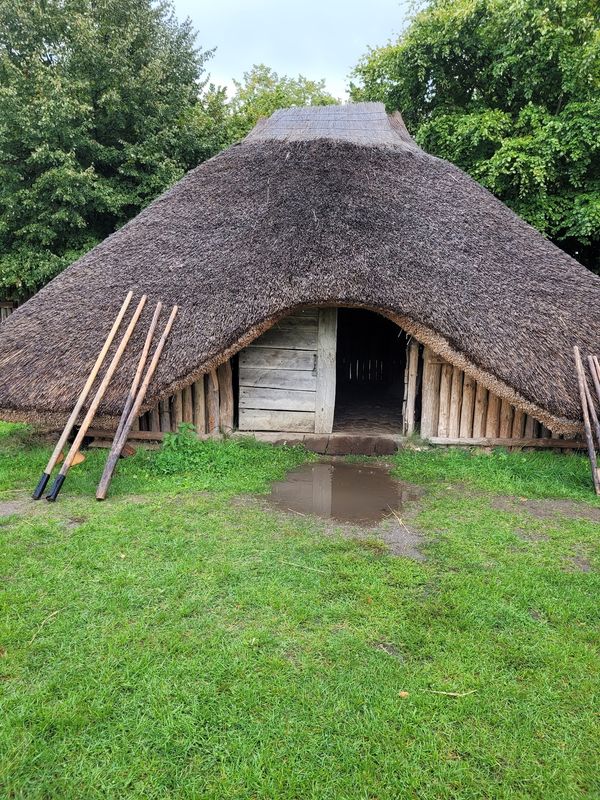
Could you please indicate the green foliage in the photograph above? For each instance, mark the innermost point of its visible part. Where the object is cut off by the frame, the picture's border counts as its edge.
(94, 98)
(509, 90)
(231, 464)
(263, 91)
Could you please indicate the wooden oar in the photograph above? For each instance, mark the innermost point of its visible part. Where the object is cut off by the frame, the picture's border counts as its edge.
(138, 373)
(583, 393)
(39, 489)
(66, 465)
(119, 444)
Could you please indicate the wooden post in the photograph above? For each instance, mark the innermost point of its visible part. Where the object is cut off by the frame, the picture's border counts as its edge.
(506, 420)
(412, 366)
(199, 406)
(480, 412)
(212, 403)
(326, 372)
(518, 425)
(154, 419)
(225, 379)
(468, 407)
(445, 396)
(176, 411)
(430, 394)
(530, 427)
(188, 406)
(492, 423)
(165, 416)
(455, 402)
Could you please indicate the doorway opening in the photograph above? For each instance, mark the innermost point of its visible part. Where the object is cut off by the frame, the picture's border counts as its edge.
(370, 363)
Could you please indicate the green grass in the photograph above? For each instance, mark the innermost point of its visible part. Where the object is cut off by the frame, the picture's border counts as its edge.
(176, 643)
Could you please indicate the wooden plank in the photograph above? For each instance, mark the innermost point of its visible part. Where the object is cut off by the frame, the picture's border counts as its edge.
(296, 322)
(138, 436)
(498, 442)
(278, 358)
(288, 338)
(261, 420)
(277, 399)
(412, 367)
(165, 416)
(480, 412)
(212, 403)
(518, 424)
(188, 405)
(445, 395)
(506, 420)
(326, 372)
(279, 378)
(467, 411)
(135, 425)
(430, 394)
(199, 406)
(492, 422)
(225, 378)
(154, 419)
(455, 402)
(530, 428)
(176, 411)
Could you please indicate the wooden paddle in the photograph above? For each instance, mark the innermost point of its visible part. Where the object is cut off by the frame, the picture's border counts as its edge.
(119, 444)
(39, 489)
(66, 465)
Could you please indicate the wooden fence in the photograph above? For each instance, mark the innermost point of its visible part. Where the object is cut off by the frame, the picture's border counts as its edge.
(6, 310)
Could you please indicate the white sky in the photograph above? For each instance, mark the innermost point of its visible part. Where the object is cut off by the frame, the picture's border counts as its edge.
(318, 39)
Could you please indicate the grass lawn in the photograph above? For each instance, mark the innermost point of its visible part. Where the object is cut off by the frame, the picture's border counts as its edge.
(181, 640)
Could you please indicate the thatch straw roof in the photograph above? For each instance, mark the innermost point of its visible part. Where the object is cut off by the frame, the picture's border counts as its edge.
(333, 205)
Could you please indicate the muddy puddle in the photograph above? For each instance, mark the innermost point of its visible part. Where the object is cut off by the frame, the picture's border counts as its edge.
(351, 493)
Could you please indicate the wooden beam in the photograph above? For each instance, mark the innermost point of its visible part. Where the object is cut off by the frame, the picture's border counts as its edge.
(430, 394)
(188, 405)
(492, 422)
(176, 411)
(445, 397)
(154, 419)
(506, 420)
(165, 416)
(199, 406)
(412, 366)
(225, 379)
(467, 410)
(496, 441)
(480, 411)
(455, 402)
(326, 372)
(212, 403)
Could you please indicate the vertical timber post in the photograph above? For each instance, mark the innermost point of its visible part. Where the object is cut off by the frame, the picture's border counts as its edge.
(326, 352)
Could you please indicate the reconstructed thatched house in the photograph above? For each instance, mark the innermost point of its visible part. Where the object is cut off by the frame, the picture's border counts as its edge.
(330, 274)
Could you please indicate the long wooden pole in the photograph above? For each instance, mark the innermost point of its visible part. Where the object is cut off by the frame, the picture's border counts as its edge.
(39, 489)
(583, 391)
(87, 420)
(138, 373)
(595, 372)
(119, 444)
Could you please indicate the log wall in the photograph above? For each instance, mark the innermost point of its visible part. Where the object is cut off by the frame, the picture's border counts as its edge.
(454, 407)
(207, 404)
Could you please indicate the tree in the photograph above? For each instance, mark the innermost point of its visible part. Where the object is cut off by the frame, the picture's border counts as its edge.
(263, 91)
(509, 90)
(95, 98)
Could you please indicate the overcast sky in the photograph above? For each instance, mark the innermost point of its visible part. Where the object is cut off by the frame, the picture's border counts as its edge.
(317, 38)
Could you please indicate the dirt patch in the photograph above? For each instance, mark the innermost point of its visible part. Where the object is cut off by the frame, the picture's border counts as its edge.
(547, 509)
(390, 649)
(578, 563)
(10, 507)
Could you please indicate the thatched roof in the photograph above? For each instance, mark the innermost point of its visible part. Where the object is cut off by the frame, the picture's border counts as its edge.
(333, 205)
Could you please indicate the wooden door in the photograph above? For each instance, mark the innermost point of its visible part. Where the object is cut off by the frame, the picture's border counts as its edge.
(287, 375)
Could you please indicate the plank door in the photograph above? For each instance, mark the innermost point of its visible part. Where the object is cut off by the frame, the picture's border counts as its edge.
(287, 375)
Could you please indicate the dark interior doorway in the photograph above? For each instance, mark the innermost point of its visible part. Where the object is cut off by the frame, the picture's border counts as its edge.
(370, 362)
